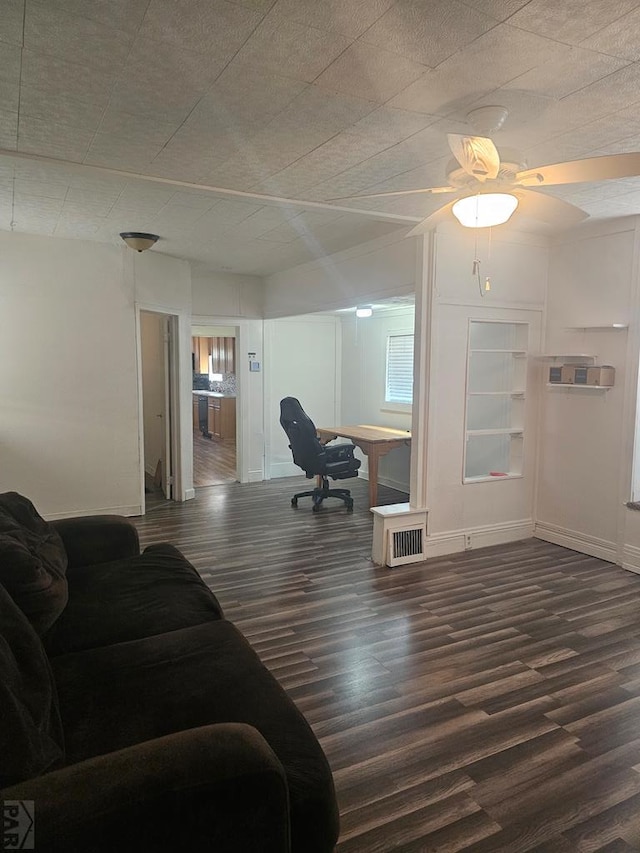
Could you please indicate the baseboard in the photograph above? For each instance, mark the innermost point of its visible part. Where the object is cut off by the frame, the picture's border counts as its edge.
(189, 494)
(108, 510)
(394, 484)
(631, 559)
(257, 476)
(577, 541)
(453, 541)
(284, 469)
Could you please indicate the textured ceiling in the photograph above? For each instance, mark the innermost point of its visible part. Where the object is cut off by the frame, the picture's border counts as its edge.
(298, 99)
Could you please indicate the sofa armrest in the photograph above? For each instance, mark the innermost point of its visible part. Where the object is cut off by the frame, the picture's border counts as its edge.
(97, 539)
(214, 788)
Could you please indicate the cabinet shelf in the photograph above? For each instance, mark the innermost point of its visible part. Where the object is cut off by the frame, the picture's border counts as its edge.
(518, 353)
(490, 478)
(504, 431)
(496, 393)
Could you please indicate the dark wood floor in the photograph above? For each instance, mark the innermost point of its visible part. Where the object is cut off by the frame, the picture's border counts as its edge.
(214, 462)
(488, 701)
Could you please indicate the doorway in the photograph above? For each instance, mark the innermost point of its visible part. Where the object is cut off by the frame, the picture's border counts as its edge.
(214, 360)
(158, 394)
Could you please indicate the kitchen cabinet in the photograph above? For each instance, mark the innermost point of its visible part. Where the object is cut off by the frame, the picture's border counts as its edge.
(196, 417)
(222, 417)
(222, 351)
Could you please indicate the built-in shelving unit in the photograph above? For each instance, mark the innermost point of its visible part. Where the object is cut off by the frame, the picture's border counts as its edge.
(495, 399)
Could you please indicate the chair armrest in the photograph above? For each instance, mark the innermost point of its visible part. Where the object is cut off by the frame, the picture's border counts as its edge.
(97, 539)
(214, 788)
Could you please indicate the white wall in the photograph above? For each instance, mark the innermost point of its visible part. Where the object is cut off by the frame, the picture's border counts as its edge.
(69, 424)
(585, 456)
(379, 268)
(364, 349)
(217, 294)
(69, 420)
(499, 510)
(302, 357)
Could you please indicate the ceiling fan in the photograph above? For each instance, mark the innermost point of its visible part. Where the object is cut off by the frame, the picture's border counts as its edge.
(490, 186)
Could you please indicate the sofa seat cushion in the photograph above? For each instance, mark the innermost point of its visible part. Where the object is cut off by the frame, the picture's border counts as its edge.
(33, 561)
(150, 593)
(114, 697)
(30, 733)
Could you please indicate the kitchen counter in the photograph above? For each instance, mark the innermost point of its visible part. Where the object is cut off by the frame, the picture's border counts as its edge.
(214, 394)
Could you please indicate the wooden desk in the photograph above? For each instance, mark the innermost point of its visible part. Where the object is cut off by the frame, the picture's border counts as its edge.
(374, 441)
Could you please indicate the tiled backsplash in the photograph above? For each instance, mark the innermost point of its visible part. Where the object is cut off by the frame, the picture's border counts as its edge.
(227, 386)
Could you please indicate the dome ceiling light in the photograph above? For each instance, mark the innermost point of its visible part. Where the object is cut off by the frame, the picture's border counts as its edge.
(138, 240)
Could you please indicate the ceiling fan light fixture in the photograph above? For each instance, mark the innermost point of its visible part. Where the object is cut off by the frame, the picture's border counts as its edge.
(138, 240)
(484, 209)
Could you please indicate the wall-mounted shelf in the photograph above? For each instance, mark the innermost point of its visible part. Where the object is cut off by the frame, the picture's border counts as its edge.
(571, 358)
(612, 327)
(578, 385)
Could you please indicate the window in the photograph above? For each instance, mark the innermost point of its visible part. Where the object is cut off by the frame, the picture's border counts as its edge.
(399, 384)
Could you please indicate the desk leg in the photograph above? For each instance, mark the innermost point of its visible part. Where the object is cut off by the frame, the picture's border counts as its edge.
(373, 474)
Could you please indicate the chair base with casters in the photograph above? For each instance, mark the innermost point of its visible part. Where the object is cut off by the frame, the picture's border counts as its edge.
(320, 493)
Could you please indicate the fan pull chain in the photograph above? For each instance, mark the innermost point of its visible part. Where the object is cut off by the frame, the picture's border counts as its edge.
(487, 281)
(475, 269)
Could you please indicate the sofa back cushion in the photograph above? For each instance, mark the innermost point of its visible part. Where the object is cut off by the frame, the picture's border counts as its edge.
(30, 732)
(33, 561)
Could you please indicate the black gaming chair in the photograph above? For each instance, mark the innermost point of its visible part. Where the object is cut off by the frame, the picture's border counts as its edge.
(337, 462)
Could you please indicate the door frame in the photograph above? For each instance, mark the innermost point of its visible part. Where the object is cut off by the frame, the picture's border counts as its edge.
(172, 401)
(230, 322)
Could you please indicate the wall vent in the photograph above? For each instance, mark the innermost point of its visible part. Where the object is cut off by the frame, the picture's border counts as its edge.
(406, 546)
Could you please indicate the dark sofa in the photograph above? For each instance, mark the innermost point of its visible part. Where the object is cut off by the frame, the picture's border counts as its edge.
(132, 714)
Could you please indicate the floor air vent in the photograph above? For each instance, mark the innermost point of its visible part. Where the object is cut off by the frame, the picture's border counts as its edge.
(406, 546)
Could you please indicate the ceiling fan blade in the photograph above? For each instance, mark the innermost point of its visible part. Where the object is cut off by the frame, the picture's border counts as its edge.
(432, 220)
(577, 171)
(477, 155)
(398, 192)
(548, 208)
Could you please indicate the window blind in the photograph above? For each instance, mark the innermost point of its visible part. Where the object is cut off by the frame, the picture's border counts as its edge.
(399, 386)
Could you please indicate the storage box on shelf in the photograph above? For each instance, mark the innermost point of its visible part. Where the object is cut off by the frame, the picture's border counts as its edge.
(578, 371)
(495, 400)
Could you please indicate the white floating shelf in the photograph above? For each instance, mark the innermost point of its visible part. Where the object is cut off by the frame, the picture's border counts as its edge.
(612, 327)
(574, 358)
(578, 385)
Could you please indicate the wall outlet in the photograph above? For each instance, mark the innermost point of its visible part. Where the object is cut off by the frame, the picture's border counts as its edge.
(467, 542)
